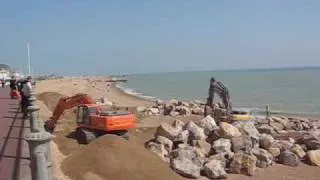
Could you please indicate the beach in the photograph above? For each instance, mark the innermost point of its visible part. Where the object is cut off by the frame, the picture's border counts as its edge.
(49, 91)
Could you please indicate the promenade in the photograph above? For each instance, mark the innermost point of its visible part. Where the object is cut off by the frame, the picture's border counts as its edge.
(14, 153)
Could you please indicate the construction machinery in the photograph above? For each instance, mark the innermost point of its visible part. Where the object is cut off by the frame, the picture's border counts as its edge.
(92, 121)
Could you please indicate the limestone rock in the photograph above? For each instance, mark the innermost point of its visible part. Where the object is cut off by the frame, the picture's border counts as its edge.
(182, 137)
(313, 157)
(264, 158)
(185, 167)
(141, 109)
(165, 141)
(158, 149)
(204, 146)
(265, 129)
(228, 131)
(186, 152)
(197, 110)
(214, 169)
(288, 158)
(297, 149)
(222, 146)
(243, 164)
(196, 132)
(274, 151)
(208, 124)
(242, 143)
(166, 130)
(266, 141)
(178, 124)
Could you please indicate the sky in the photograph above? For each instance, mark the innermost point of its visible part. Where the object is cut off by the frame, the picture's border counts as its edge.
(77, 37)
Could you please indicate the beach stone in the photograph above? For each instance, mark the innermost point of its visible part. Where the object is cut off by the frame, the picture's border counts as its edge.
(228, 131)
(185, 167)
(153, 110)
(277, 126)
(166, 130)
(186, 151)
(248, 128)
(265, 129)
(264, 158)
(174, 102)
(282, 120)
(203, 146)
(158, 149)
(196, 132)
(241, 143)
(182, 137)
(266, 141)
(178, 124)
(167, 109)
(165, 141)
(222, 157)
(288, 158)
(298, 150)
(185, 111)
(159, 102)
(311, 141)
(283, 145)
(313, 157)
(214, 169)
(274, 151)
(243, 164)
(208, 124)
(174, 113)
(197, 110)
(222, 146)
(141, 109)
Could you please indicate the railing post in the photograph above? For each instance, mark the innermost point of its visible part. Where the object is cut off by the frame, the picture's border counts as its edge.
(39, 143)
(38, 153)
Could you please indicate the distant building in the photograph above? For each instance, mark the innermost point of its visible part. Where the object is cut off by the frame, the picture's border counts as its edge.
(4, 74)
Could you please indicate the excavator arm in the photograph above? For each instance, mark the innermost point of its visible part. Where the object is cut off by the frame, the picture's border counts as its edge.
(66, 103)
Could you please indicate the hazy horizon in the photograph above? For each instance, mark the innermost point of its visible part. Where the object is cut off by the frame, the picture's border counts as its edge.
(130, 37)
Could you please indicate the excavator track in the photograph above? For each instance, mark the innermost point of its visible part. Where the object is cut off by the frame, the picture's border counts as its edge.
(85, 136)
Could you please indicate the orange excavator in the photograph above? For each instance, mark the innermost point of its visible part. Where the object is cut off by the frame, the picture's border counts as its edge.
(92, 121)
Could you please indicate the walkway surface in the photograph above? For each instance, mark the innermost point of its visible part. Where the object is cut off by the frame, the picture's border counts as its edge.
(14, 153)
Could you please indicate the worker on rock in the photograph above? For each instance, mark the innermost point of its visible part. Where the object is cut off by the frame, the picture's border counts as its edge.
(223, 93)
(25, 94)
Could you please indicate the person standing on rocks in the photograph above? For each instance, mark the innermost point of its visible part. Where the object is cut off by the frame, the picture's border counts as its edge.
(222, 91)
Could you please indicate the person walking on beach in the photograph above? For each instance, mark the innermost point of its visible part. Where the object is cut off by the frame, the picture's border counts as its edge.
(13, 83)
(25, 94)
(222, 91)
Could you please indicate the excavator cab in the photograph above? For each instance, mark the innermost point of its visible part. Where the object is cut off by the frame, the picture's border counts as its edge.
(83, 114)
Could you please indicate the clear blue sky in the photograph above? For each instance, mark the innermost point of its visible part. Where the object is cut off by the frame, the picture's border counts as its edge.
(138, 36)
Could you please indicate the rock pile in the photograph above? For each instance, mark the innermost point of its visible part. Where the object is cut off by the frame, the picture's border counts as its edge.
(205, 148)
(173, 108)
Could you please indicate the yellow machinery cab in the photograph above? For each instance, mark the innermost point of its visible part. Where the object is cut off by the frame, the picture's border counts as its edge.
(241, 115)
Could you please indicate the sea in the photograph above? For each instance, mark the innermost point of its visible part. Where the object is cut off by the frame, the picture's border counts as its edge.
(293, 91)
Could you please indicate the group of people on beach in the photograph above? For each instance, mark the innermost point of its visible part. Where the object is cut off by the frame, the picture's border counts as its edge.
(24, 87)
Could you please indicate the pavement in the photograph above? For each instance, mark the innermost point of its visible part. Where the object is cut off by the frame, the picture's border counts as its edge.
(14, 152)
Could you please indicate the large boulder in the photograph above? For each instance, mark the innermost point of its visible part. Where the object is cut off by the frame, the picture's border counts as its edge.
(186, 152)
(289, 158)
(228, 131)
(178, 124)
(158, 149)
(313, 157)
(243, 164)
(185, 167)
(265, 129)
(311, 141)
(264, 158)
(248, 128)
(208, 124)
(242, 143)
(214, 169)
(203, 146)
(266, 141)
(298, 150)
(165, 141)
(196, 132)
(222, 146)
(183, 137)
(166, 130)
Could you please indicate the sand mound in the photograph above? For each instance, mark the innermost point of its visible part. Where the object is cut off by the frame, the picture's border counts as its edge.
(112, 157)
(50, 99)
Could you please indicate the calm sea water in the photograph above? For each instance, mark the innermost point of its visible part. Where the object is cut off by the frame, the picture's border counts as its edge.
(290, 91)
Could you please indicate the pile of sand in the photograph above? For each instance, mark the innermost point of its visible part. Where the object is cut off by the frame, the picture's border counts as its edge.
(113, 157)
(50, 99)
